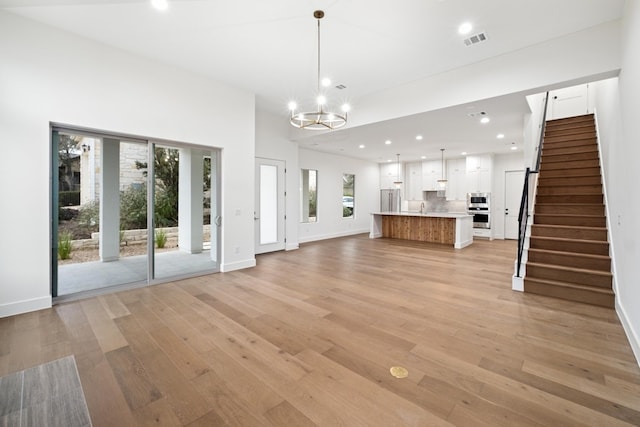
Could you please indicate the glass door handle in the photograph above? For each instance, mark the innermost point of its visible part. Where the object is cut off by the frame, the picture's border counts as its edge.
(218, 221)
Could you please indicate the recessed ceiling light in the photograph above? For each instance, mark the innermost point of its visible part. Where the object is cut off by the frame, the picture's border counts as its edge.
(514, 148)
(419, 137)
(465, 28)
(423, 157)
(500, 135)
(387, 142)
(388, 160)
(361, 145)
(160, 4)
(485, 120)
(464, 153)
(326, 82)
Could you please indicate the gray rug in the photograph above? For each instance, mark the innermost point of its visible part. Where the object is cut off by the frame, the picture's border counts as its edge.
(46, 395)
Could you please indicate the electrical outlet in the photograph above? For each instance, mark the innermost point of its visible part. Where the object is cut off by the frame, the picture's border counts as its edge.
(619, 219)
(238, 213)
(237, 249)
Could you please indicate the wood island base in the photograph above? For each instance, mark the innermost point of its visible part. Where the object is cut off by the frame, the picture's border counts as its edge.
(450, 229)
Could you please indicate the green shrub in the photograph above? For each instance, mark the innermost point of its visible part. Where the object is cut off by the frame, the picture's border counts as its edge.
(69, 198)
(64, 245)
(89, 215)
(66, 214)
(166, 209)
(161, 238)
(133, 208)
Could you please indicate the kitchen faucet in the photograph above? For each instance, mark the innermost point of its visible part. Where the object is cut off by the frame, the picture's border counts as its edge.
(422, 210)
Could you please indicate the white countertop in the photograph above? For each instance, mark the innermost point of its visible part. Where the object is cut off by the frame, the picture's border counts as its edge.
(428, 214)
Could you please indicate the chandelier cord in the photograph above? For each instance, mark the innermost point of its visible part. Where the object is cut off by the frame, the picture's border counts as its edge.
(318, 87)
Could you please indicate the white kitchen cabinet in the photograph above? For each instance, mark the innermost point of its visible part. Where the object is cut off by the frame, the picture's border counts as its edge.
(431, 173)
(479, 173)
(389, 174)
(456, 179)
(483, 233)
(413, 181)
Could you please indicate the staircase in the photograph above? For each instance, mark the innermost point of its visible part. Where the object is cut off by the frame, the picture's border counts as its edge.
(568, 254)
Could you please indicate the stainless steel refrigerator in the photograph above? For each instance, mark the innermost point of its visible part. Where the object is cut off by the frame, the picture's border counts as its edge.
(390, 200)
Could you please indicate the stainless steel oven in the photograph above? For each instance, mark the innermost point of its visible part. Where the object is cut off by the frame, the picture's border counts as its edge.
(479, 205)
(481, 217)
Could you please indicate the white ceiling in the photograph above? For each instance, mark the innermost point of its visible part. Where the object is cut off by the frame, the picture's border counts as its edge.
(269, 48)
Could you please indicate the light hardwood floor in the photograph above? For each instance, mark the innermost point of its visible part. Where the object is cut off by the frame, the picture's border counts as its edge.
(308, 337)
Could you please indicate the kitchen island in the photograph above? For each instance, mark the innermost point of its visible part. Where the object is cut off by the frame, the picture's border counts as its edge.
(438, 227)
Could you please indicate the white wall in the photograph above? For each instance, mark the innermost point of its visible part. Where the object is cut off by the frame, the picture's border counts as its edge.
(47, 75)
(532, 126)
(606, 96)
(501, 164)
(622, 159)
(367, 195)
(568, 59)
(272, 143)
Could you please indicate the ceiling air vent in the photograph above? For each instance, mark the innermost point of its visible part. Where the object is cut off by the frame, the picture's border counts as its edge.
(475, 39)
(477, 114)
(341, 87)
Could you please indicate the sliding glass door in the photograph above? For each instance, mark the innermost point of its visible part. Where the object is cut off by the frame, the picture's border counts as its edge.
(183, 211)
(108, 191)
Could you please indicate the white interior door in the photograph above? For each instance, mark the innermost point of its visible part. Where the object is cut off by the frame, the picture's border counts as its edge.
(514, 181)
(269, 215)
(569, 102)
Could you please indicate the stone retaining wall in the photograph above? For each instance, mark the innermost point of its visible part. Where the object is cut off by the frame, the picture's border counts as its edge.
(130, 237)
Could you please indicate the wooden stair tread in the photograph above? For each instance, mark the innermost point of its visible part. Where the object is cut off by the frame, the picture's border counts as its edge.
(572, 119)
(576, 254)
(571, 269)
(567, 177)
(575, 172)
(596, 289)
(566, 239)
(569, 215)
(581, 130)
(559, 158)
(552, 153)
(571, 227)
(569, 204)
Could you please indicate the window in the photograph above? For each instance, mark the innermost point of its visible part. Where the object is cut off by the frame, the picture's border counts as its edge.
(348, 195)
(309, 195)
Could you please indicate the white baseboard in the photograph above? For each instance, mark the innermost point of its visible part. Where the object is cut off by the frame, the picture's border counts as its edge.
(291, 247)
(25, 306)
(632, 334)
(463, 244)
(332, 235)
(239, 265)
